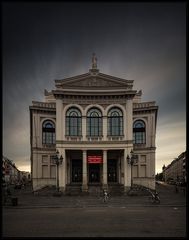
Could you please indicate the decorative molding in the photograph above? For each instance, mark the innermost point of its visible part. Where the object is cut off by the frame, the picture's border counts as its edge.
(94, 79)
(49, 149)
(94, 142)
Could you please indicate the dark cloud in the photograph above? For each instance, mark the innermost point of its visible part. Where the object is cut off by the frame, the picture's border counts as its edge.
(46, 41)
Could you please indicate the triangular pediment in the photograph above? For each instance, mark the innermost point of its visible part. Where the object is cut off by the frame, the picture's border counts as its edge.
(94, 81)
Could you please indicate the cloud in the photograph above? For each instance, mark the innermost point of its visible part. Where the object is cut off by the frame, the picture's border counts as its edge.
(145, 42)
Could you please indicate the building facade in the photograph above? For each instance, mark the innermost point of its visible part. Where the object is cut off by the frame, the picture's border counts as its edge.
(94, 120)
(176, 170)
(11, 174)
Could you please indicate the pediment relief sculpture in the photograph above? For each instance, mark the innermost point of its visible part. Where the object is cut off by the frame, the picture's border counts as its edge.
(94, 82)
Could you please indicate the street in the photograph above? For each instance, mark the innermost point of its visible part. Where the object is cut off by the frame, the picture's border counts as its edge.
(122, 216)
(155, 221)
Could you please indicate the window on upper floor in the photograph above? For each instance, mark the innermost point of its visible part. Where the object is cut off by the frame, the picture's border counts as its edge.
(115, 122)
(48, 132)
(94, 122)
(73, 122)
(139, 132)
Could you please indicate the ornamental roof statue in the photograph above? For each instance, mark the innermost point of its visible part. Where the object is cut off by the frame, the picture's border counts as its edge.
(94, 61)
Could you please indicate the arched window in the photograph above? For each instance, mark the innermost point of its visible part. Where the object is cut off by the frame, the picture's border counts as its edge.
(115, 122)
(94, 122)
(48, 132)
(73, 122)
(139, 132)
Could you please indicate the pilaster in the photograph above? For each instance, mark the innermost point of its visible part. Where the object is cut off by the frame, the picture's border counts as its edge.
(129, 120)
(59, 122)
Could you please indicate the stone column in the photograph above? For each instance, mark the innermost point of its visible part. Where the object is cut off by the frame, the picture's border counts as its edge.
(84, 126)
(84, 183)
(105, 182)
(105, 127)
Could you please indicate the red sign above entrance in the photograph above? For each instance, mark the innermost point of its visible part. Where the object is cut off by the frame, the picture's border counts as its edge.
(94, 159)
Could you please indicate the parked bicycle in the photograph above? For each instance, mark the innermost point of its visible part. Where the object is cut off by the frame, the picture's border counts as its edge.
(154, 197)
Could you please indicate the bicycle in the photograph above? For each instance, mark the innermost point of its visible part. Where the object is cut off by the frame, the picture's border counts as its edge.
(154, 197)
(106, 195)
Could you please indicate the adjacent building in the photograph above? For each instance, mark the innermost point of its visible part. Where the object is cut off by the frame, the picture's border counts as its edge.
(11, 174)
(94, 120)
(176, 170)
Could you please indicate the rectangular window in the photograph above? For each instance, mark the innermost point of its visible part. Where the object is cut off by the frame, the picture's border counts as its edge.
(45, 159)
(52, 161)
(53, 171)
(45, 171)
(142, 170)
(143, 158)
(135, 171)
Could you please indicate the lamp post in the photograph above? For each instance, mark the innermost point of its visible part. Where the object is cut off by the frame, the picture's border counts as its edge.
(131, 160)
(57, 160)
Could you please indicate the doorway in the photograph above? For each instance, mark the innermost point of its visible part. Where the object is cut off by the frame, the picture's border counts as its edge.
(94, 173)
(112, 170)
(76, 171)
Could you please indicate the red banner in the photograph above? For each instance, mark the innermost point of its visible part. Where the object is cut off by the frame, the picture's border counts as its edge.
(94, 159)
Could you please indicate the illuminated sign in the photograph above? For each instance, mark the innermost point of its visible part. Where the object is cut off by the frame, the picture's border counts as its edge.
(94, 159)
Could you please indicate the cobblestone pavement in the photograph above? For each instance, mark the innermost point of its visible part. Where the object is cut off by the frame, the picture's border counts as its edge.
(167, 194)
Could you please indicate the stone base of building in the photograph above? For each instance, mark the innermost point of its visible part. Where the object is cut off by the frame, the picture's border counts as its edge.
(105, 186)
(62, 190)
(146, 182)
(126, 189)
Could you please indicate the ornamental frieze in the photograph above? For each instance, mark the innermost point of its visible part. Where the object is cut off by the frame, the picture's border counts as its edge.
(95, 82)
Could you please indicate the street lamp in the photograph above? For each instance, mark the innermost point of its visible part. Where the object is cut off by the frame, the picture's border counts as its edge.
(131, 160)
(57, 160)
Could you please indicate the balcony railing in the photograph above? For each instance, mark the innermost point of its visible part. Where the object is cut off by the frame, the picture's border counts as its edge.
(44, 104)
(143, 105)
(74, 138)
(94, 138)
(115, 138)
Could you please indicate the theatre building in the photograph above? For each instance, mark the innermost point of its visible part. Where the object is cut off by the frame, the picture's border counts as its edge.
(96, 122)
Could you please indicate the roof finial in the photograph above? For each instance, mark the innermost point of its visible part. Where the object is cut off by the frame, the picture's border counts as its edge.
(94, 62)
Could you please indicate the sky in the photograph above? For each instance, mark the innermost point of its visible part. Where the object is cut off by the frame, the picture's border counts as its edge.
(145, 42)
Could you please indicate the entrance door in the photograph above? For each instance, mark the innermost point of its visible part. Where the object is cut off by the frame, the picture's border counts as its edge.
(112, 171)
(94, 173)
(76, 170)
